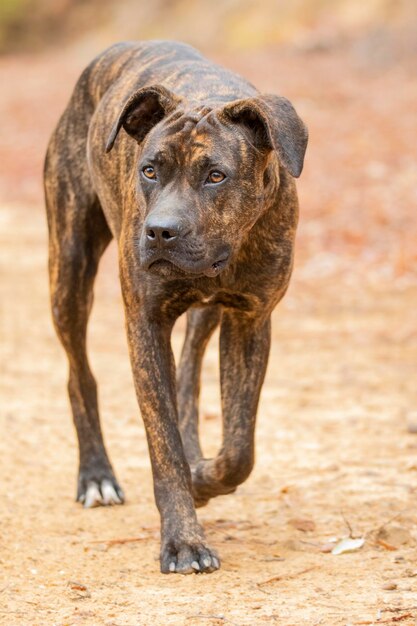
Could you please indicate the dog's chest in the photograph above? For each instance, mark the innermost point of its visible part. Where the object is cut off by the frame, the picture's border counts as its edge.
(227, 298)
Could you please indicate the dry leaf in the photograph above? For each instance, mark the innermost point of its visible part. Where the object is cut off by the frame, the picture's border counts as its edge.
(384, 544)
(348, 545)
(80, 591)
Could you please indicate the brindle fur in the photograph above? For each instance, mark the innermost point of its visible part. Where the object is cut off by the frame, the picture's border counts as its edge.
(229, 262)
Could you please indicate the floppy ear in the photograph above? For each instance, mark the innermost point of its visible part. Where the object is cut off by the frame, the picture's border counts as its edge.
(275, 125)
(142, 111)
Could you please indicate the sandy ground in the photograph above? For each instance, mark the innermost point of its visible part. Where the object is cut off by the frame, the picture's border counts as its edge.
(335, 455)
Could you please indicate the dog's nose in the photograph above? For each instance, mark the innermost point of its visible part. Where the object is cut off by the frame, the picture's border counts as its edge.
(162, 232)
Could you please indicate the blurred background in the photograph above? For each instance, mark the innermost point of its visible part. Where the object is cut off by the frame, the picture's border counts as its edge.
(232, 24)
(349, 66)
(338, 416)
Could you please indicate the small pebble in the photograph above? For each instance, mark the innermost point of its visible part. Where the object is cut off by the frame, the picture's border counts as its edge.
(411, 418)
(389, 586)
(327, 547)
(410, 573)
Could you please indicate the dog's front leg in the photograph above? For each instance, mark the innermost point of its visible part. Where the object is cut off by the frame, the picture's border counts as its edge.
(183, 545)
(244, 350)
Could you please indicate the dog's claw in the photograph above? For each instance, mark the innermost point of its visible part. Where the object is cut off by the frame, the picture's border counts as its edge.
(92, 497)
(103, 494)
(109, 494)
(188, 559)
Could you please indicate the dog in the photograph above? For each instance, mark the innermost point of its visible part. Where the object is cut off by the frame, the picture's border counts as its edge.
(192, 171)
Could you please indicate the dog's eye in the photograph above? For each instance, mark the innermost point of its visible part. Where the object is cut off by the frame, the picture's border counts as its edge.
(214, 178)
(149, 172)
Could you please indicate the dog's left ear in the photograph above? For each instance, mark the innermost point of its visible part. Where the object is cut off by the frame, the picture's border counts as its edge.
(274, 124)
(142, 111)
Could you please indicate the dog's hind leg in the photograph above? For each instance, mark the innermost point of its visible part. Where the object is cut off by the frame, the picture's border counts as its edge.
(78, 236)
(201, 322)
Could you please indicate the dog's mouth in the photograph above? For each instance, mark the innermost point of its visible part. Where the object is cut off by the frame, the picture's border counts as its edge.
(173, 267)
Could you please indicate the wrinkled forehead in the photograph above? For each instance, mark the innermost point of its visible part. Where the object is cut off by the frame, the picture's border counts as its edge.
(196, 136)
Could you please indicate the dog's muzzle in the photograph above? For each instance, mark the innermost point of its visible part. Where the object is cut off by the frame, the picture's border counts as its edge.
(170, 249)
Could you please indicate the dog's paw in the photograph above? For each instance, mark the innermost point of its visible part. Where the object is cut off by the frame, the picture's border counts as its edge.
(199, 501)
(204, 485)
(186, 558)
(98, 489)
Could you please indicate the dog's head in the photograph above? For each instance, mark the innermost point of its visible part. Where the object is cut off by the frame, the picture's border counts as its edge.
(206, 175)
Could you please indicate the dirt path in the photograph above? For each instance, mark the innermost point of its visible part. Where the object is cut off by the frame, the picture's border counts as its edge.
(332, 442)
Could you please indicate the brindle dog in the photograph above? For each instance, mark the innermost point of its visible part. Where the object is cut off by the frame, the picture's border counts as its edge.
(198, 191)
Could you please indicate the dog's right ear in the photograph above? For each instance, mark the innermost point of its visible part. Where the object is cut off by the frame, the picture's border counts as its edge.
(142, 111)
